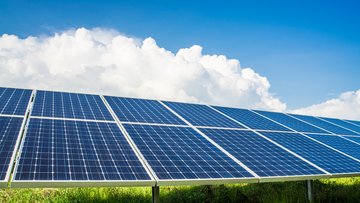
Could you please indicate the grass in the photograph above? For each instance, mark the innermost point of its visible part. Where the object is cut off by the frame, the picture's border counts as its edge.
(330, 190)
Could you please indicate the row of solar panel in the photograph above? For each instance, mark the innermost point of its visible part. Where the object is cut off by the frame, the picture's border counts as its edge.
(71, 138)
(82, 106)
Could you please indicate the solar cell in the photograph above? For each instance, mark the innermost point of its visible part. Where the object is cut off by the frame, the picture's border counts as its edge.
(65, 150)
(70, 105)
(251, 119)
(14, 101)
(344, 124)
(261, 156)
(291, 122)
(141, 110)
(178, 153)
(201, 115)
(324, 125)
(339, 143)
(324, 157)
(9, 132)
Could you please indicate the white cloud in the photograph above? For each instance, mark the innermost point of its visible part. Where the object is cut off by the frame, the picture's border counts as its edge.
(347, 106)
(107, 62)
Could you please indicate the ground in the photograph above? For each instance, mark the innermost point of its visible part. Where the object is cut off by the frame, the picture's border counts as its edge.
(330, 190)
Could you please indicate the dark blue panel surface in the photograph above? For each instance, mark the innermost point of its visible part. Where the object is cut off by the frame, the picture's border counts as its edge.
(9, 132)
(354, 128)
(324, 125)
(70, 105)
(339, 143)
(251, 119)
(291, 122)
(322, 156)
(260, 155)
(201, 115)
(141, 110)
(182, 153)
(14, 101)
(77, 150)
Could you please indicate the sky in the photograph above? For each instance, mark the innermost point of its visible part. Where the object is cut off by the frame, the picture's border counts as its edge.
(300, 56)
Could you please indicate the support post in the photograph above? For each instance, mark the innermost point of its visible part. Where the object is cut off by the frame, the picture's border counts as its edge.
(309, 190)
(155, 194)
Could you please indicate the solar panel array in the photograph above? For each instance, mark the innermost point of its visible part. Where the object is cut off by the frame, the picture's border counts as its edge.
(353, 128)
(142, 111)
(77, 150)
(291, 122)
(251, 119)
(181, 153)
(202, 115)
(174, 153)
(13, 109)
(14, 101)
(265, 158)
(329, 127)
(72, 139)
(70, 105)
(319, 154)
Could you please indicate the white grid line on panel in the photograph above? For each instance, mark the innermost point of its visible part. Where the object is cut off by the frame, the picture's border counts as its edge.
(73, 119)
(157, 124)
(9, 115)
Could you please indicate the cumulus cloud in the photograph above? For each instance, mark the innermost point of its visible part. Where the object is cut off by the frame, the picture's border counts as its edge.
(106, 62)
(346, 106)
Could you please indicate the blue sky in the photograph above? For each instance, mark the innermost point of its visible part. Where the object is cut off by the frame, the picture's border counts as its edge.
(309, 50)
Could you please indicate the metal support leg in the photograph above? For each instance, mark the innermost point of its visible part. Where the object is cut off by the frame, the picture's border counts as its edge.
(155, 194)
(309, 190)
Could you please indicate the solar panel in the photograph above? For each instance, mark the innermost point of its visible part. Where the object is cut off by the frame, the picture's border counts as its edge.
(290, 122)
(178, 153)
(9, 132)
(201, 115)
(251, 119)
(261, 156)
(73, 140)
(14, 101)
(344, 124)
(70, 105)
(324, 125)
(141, 110)
(357, 123)
(339, 143)
(66, 150)
(324, 157)
(355, 139)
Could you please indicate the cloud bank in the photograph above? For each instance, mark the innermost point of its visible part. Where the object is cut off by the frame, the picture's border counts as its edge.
(103, 61)
(346, 106)
(106, 62)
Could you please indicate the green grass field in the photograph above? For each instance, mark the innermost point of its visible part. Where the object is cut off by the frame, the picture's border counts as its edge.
(331, 190)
